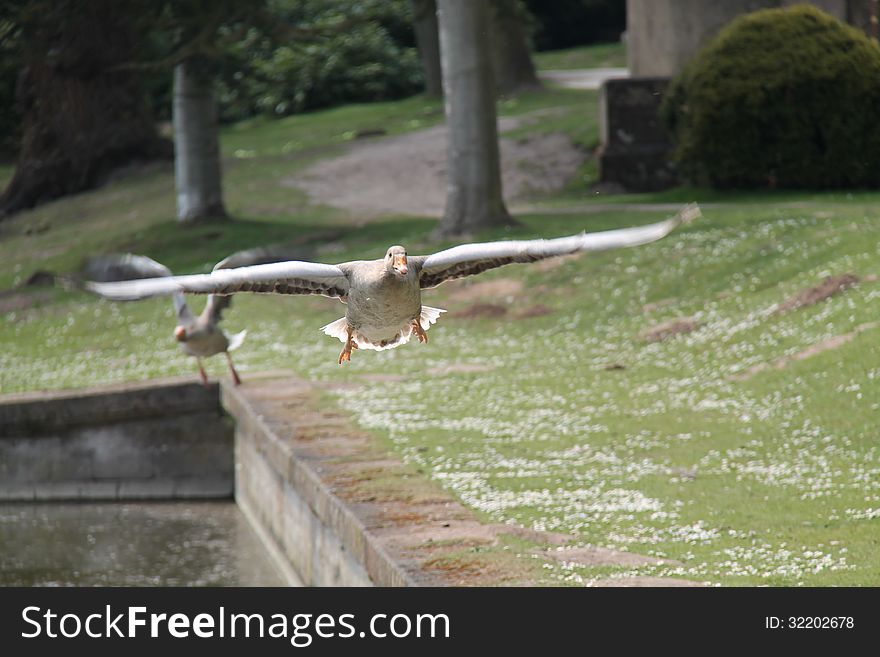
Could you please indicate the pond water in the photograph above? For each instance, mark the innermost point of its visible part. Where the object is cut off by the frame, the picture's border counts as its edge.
(131, 544)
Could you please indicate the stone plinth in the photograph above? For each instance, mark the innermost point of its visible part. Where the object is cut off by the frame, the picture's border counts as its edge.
(635, 149)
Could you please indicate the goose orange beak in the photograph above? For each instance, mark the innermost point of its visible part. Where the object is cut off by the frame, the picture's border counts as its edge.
(400, 264)
(180, 334)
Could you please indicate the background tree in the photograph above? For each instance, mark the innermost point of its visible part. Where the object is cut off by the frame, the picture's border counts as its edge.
(197, 176)
(277, 57)
(196, 29)
(10, 65)
(511, 52)
(428, 39)
(257, 48)
(474, 199)
(82, 116)
(567, 23)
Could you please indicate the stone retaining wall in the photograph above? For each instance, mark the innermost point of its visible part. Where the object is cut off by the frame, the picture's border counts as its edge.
(161, 440)
(315, 533)
(173, 440)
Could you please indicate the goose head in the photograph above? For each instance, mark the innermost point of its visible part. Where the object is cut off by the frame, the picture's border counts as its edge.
(395, 261)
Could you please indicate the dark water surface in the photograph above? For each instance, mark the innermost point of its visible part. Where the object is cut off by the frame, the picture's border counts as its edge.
(137, 544)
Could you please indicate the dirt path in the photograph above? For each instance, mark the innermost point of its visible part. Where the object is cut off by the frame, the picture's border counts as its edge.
(406, 174)
(582, 78)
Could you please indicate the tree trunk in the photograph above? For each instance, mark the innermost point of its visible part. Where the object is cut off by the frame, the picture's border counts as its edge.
(196, 144)
(428, 41)
(473, 199)
(80, 118)
(511, 56)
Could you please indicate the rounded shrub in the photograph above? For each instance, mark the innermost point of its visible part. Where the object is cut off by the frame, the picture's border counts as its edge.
(779, 98)
(350, 51)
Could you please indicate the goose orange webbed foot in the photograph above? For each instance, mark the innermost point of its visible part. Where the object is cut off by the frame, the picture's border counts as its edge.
(346, 350)
(346, 353)
(419, 331)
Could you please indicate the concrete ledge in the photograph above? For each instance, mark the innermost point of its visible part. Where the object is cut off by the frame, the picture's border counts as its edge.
(322, 540)
(35, 412)
(332, 505)
(338, 508)
(161, 440)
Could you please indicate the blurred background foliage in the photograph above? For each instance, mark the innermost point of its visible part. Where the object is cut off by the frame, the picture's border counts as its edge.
(286, 56)
(339, 51)
(565, 23)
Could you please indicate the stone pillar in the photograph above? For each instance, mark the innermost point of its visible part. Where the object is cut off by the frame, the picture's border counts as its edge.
(662, 35)
(858, 14)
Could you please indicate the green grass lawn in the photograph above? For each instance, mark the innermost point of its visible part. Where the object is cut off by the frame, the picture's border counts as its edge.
(567, 420)
(602, 55)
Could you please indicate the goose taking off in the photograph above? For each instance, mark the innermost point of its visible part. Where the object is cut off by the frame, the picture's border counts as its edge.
(199, 336)
(383, 297)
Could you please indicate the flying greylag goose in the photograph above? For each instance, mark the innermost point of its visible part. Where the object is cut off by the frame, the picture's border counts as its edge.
(383, 297)
(199, 336)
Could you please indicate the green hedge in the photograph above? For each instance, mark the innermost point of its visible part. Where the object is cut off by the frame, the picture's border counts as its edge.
(780, 98)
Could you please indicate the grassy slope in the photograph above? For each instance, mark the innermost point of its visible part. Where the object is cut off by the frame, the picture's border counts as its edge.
(603, 55)
(771, 480)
